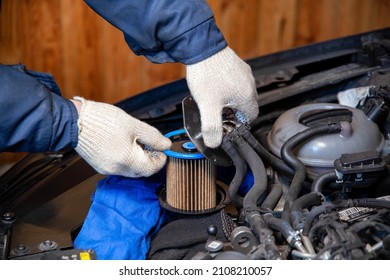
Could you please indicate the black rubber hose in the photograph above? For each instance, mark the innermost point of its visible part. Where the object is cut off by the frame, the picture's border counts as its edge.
(258, 169)
(287, 154)
(306, 201)
(322, 180)
(259, 187)
(280, 225)
(368, 223)
(239, 176)
(291, 236)
(261, 135)
(273, 197)
(265, 235)
(371, 203)
(274, 161)
(266, 118)
(364, 202)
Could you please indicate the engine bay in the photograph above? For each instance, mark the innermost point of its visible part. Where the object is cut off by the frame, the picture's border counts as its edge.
(308, 179)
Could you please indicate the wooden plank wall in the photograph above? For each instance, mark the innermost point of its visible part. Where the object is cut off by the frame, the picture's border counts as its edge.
(89, 57)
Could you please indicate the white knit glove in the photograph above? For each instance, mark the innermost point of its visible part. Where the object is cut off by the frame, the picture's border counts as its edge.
(111, 141)
(222, 80)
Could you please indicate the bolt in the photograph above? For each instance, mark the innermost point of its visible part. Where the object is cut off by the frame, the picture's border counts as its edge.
(21, 249)
(8, 217)
(212, 230)
(47, 245)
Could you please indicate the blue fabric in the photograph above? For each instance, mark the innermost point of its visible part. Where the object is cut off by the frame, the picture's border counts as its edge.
(164, 30)
(247, 184)
(124, 215)
(34, 117)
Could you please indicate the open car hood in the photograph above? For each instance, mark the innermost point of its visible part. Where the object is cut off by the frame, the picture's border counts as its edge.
(45, 198)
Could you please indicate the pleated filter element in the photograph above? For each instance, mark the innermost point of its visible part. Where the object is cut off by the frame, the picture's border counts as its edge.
(191, 178)
(191, 184)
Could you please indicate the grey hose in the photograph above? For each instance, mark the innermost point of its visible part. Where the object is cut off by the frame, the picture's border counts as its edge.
(322, 180)
(279, 225)
(273, 197)
(259, 187)
(274, 161)
(268, 118)
(259, 173)
(286, 230)
(305, 201)
(287, 153)
(241, 170)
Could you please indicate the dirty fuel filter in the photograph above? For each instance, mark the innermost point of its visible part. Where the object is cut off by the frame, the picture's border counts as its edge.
(191, 178)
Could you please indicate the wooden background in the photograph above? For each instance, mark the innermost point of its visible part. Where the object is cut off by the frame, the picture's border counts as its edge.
(89, 57)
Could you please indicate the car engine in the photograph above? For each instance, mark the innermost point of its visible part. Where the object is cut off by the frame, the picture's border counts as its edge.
(308, 179)
(316, 190)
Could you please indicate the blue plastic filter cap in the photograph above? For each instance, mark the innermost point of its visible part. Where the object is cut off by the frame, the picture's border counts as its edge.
(184, 150)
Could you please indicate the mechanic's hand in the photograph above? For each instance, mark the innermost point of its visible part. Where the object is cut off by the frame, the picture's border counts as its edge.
(222, 80)
(111, 141)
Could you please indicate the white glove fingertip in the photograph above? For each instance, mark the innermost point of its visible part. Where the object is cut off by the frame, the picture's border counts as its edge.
(160, 143)
(164, 144)
(151, 137)
(211, 119)
(212, 131)
(212, 139)
(150, 162)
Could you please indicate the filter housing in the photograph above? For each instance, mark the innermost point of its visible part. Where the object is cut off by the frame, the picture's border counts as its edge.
(191, 178)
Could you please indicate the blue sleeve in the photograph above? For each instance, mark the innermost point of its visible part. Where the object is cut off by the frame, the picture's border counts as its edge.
(34, 117)
(164, 30)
